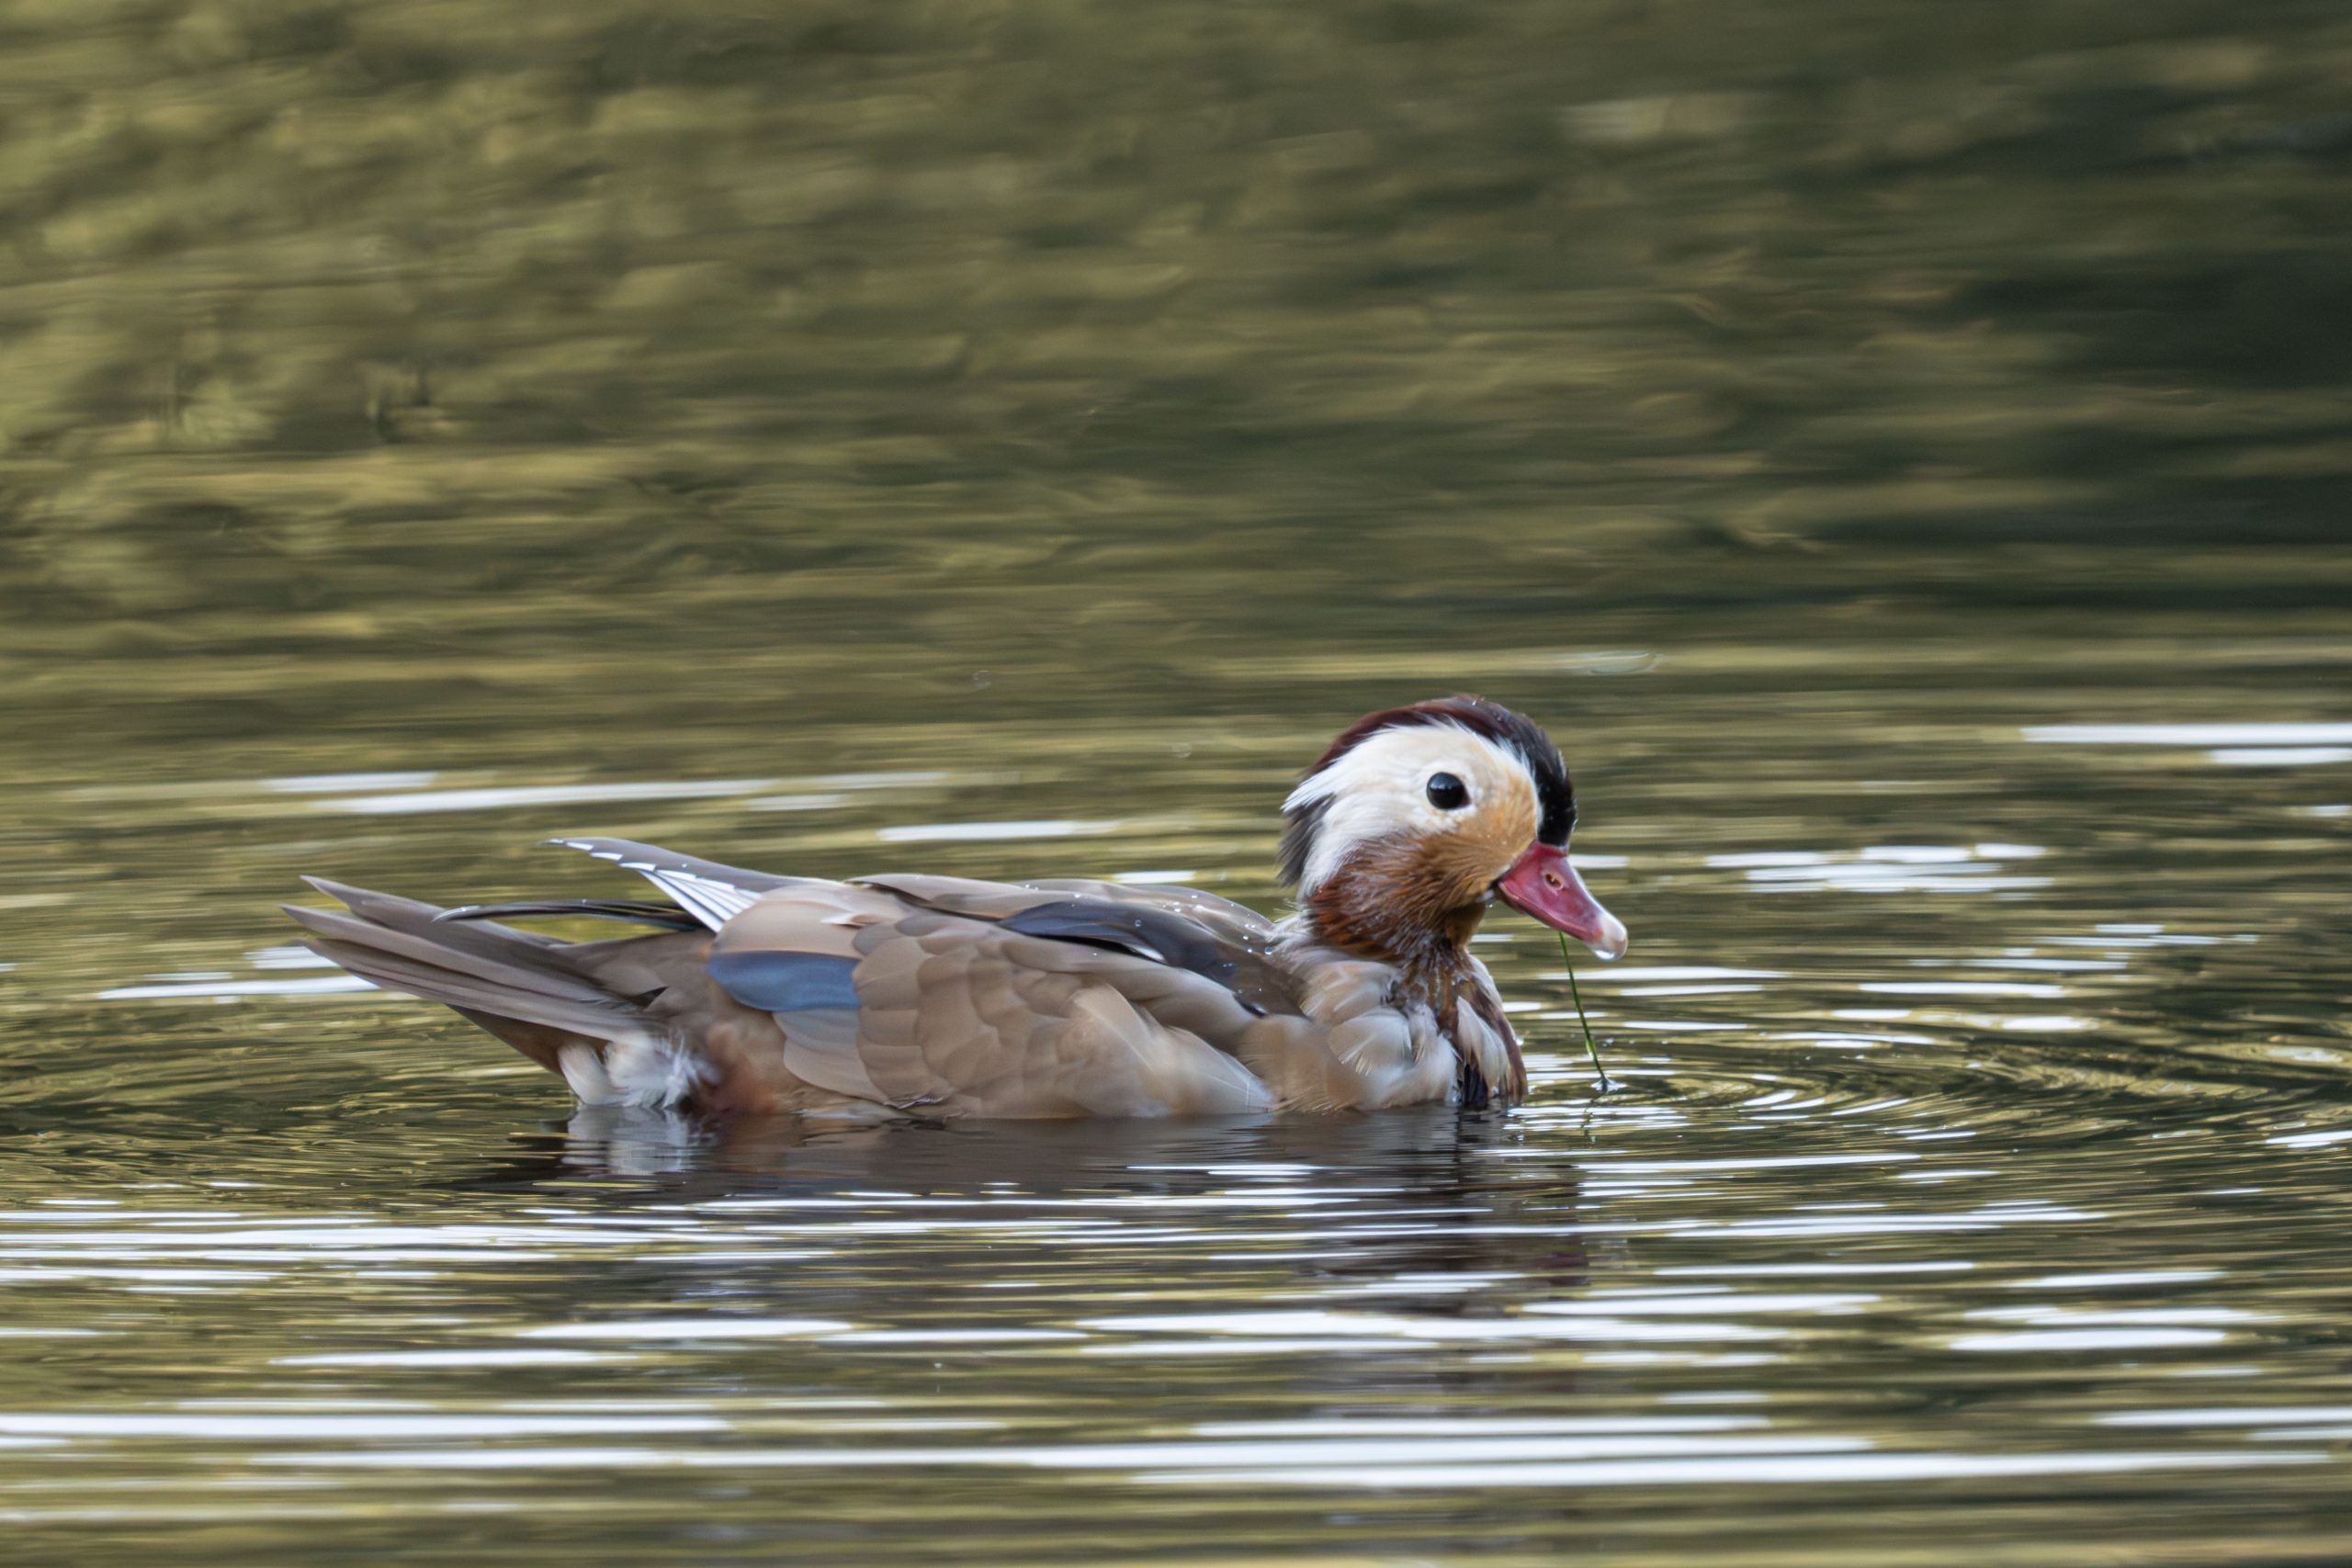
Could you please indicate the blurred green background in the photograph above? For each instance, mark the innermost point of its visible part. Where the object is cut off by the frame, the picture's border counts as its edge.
(1095, 346)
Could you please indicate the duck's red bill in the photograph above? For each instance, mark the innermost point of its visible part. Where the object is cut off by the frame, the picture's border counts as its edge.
(1544, 886)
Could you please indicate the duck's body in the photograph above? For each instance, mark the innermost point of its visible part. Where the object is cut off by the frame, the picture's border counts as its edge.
(951, 997)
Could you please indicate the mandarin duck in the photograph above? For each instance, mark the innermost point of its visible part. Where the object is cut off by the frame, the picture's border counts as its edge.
(947, 998)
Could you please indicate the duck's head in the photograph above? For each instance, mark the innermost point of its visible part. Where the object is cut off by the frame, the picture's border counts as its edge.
(1417, 817)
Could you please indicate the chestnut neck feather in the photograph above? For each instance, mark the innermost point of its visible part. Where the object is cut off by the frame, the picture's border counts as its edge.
(1388, 901)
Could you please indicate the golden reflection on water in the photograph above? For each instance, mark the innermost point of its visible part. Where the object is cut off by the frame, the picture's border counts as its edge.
(1898, 453)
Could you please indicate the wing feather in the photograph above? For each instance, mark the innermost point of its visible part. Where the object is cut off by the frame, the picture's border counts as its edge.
(981, 1021)
(712, 893)
(970, 1017)
(1179, 927)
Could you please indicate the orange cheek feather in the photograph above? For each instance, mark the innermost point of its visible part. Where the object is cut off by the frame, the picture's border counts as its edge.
(1494, 837)
(1456, 868)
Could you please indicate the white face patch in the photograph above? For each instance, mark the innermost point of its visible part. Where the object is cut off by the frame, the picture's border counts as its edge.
(1380, 788)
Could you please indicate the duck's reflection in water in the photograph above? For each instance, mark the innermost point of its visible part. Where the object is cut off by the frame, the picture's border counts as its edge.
(1432, 1155)
(1395, 1207)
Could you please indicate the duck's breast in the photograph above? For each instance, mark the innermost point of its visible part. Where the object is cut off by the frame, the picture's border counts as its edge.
(1352, 1045)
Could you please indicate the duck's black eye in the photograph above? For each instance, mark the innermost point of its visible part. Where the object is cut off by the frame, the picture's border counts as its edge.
(1448, 793)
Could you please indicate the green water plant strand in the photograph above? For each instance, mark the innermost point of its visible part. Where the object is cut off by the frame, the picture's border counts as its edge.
(1576, 997)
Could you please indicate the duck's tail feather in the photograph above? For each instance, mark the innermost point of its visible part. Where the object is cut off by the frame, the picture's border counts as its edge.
(491, 973)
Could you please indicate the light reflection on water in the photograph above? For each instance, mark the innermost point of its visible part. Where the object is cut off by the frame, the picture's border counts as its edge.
(1623, 1298)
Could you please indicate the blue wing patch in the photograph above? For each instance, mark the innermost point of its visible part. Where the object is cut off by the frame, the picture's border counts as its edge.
(785, 982)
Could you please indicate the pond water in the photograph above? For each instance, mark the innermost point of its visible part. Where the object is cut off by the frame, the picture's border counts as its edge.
(1899, 451)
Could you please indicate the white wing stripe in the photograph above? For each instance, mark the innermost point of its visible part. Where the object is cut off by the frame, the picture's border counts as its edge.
(712, 902)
